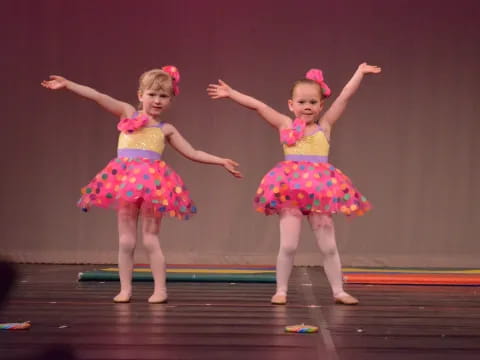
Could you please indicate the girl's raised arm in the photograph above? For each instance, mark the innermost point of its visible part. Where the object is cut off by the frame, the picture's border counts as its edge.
(273, 117)
(180, 144)
(119, 108)
(339, 105)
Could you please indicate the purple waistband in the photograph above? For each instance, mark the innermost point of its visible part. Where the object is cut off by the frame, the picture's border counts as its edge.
(310, 158)
(139, 153)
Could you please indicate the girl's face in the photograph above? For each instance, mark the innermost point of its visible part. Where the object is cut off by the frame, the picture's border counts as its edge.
(154, 102)
(306, 102)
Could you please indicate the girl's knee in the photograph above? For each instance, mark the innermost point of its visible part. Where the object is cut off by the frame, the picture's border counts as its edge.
(288, 249)
(126, 243)
(329, 251)
(151, 243)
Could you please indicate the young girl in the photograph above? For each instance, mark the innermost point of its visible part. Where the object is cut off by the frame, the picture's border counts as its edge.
(305, 183)
(138, 182)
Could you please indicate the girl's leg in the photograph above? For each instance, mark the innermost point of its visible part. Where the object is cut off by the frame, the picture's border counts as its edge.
(151, 241)
(127, 231)
(323, 227)
(290, 225)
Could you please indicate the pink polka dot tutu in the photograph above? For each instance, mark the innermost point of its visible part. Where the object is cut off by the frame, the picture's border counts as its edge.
(310, 187)
(151, 183)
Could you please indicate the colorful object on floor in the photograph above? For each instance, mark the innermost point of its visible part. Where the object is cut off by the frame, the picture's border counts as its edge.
(302, 328)
(16, 326)
(412, 276)
(183, 272)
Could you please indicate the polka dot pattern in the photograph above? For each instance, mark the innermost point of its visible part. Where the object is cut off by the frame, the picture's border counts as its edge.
(310, 187)
(151, 182)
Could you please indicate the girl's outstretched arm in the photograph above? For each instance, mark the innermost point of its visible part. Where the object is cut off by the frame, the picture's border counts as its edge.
(180, 144)
(339, 105)
(273, 117)
(116, 107)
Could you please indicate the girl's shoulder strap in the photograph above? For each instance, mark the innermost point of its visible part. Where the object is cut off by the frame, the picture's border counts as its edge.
(167, 128)
(159, 125)
(318, 128)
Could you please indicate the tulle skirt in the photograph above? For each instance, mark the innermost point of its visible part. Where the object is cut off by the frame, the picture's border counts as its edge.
(310, 187)
(152, 184)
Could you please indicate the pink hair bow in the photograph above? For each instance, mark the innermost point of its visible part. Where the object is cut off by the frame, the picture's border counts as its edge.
(175, 75)
(291, 135)
(317, 75)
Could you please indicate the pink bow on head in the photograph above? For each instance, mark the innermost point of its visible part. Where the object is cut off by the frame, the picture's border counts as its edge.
(175, 75)
(317, 75)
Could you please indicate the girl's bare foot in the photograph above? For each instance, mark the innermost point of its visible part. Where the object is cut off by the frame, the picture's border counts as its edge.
(345, 299)
(122, 297)
(279, 299)
(158, 298)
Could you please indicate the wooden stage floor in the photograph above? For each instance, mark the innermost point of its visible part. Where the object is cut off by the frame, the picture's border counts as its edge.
(235, 321)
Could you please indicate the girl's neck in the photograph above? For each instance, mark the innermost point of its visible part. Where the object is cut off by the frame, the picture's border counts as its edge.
(151, 120)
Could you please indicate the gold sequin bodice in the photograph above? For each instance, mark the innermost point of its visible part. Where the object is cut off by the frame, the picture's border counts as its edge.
(314, 144)
(147, 138)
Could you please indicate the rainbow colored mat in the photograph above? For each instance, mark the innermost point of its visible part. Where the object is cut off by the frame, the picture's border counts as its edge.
(411, 276)
(184, 272)
(266, 274)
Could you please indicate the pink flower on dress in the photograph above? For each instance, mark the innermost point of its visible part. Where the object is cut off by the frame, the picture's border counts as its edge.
(291, 135)
(128, 126)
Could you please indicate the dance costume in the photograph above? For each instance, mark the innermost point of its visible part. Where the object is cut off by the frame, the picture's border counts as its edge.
(139, 175)
(305, 180)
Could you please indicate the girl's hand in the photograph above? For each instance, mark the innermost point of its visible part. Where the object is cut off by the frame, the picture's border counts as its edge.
(220, 90)
(55, 83)
(364, 68)
(231, 167)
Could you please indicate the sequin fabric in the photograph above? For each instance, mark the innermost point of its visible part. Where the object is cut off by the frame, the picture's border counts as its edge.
(314, 144)
(147, 138)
